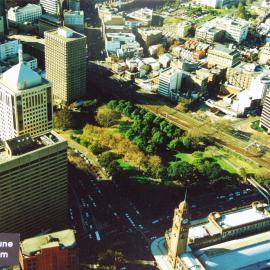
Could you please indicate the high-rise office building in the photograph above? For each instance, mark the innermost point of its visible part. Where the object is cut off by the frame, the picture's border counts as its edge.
(34, 186)
(170, 83)
(53, 7)
(57, 250)
(65, 61)
(25, 102)
(3, 19)
(74, 5)
(265, 118)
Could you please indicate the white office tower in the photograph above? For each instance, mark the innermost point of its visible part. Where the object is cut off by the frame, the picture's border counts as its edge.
(53, 7)
(25, 102)
(170, 83)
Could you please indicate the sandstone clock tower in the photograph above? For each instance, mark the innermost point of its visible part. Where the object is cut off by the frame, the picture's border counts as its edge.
(178, 237)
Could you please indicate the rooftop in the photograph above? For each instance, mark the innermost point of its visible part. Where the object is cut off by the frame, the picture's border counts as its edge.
(21, 77)
(241, 217)
(24, 144)
(249, 253)
(224, 49)
(63, 239)
(64, 33)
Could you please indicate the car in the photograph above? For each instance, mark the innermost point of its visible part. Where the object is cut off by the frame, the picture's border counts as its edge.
(90, 236)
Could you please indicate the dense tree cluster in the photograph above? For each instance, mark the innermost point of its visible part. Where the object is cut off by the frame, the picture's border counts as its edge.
(155, 136)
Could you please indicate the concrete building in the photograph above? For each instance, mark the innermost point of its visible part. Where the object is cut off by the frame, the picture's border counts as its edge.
(209, 33)
(34, 185)
(114, 41)
(264, 54)
(210, 3)
(234, 239)
(165, 60)
(57, 250)
(11, 61)
(150, 37)
(74, 20)
(8, 48)
(65, 61)
(245, 75)
(170, 83)
(3, 19)
(28, 13)
(223, 57)
(234, 29)
(184, 28)
(74, 5)
(141, 17)
(48, 22)
(53, 7)
(25, 102)
(265, 117)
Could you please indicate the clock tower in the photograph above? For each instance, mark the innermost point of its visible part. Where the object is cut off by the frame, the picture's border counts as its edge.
(178, 238)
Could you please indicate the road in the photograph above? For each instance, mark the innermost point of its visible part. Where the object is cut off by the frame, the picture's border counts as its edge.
(100, 206)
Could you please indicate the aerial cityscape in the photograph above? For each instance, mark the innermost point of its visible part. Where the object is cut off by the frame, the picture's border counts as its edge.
(135, 134)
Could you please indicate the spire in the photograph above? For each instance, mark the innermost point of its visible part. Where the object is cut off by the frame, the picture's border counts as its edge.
(185, 200)
(20, 53)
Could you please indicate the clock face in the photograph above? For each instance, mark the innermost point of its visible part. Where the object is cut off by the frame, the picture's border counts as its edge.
(185, 221)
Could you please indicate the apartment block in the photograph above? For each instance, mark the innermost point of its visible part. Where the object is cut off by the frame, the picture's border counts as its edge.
(170, 83)
(74, 20)
(264, 54)
(223, 57)
(65, 61)
(150, 37)
(209, 34)
(265, 117)
(57, 250)
(234, 29)
(74, 5)
(3, 19)
(25, 102)
(28, 13)
(53, 7)
(184, 28)
(34, 187)
(8, 48)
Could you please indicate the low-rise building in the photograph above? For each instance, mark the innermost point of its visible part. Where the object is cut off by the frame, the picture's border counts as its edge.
(57, 250)
(114, 41)
(209, 33)
(165, 60)
(74, 20)
(28, 13)
(48, 22)
(223, 57)
(150, 37)
(215, 242)
(234, 29)
(141, 17)
(184, 28)
(244, 74)
(170, 84)
(264, 54)
(8, 48)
